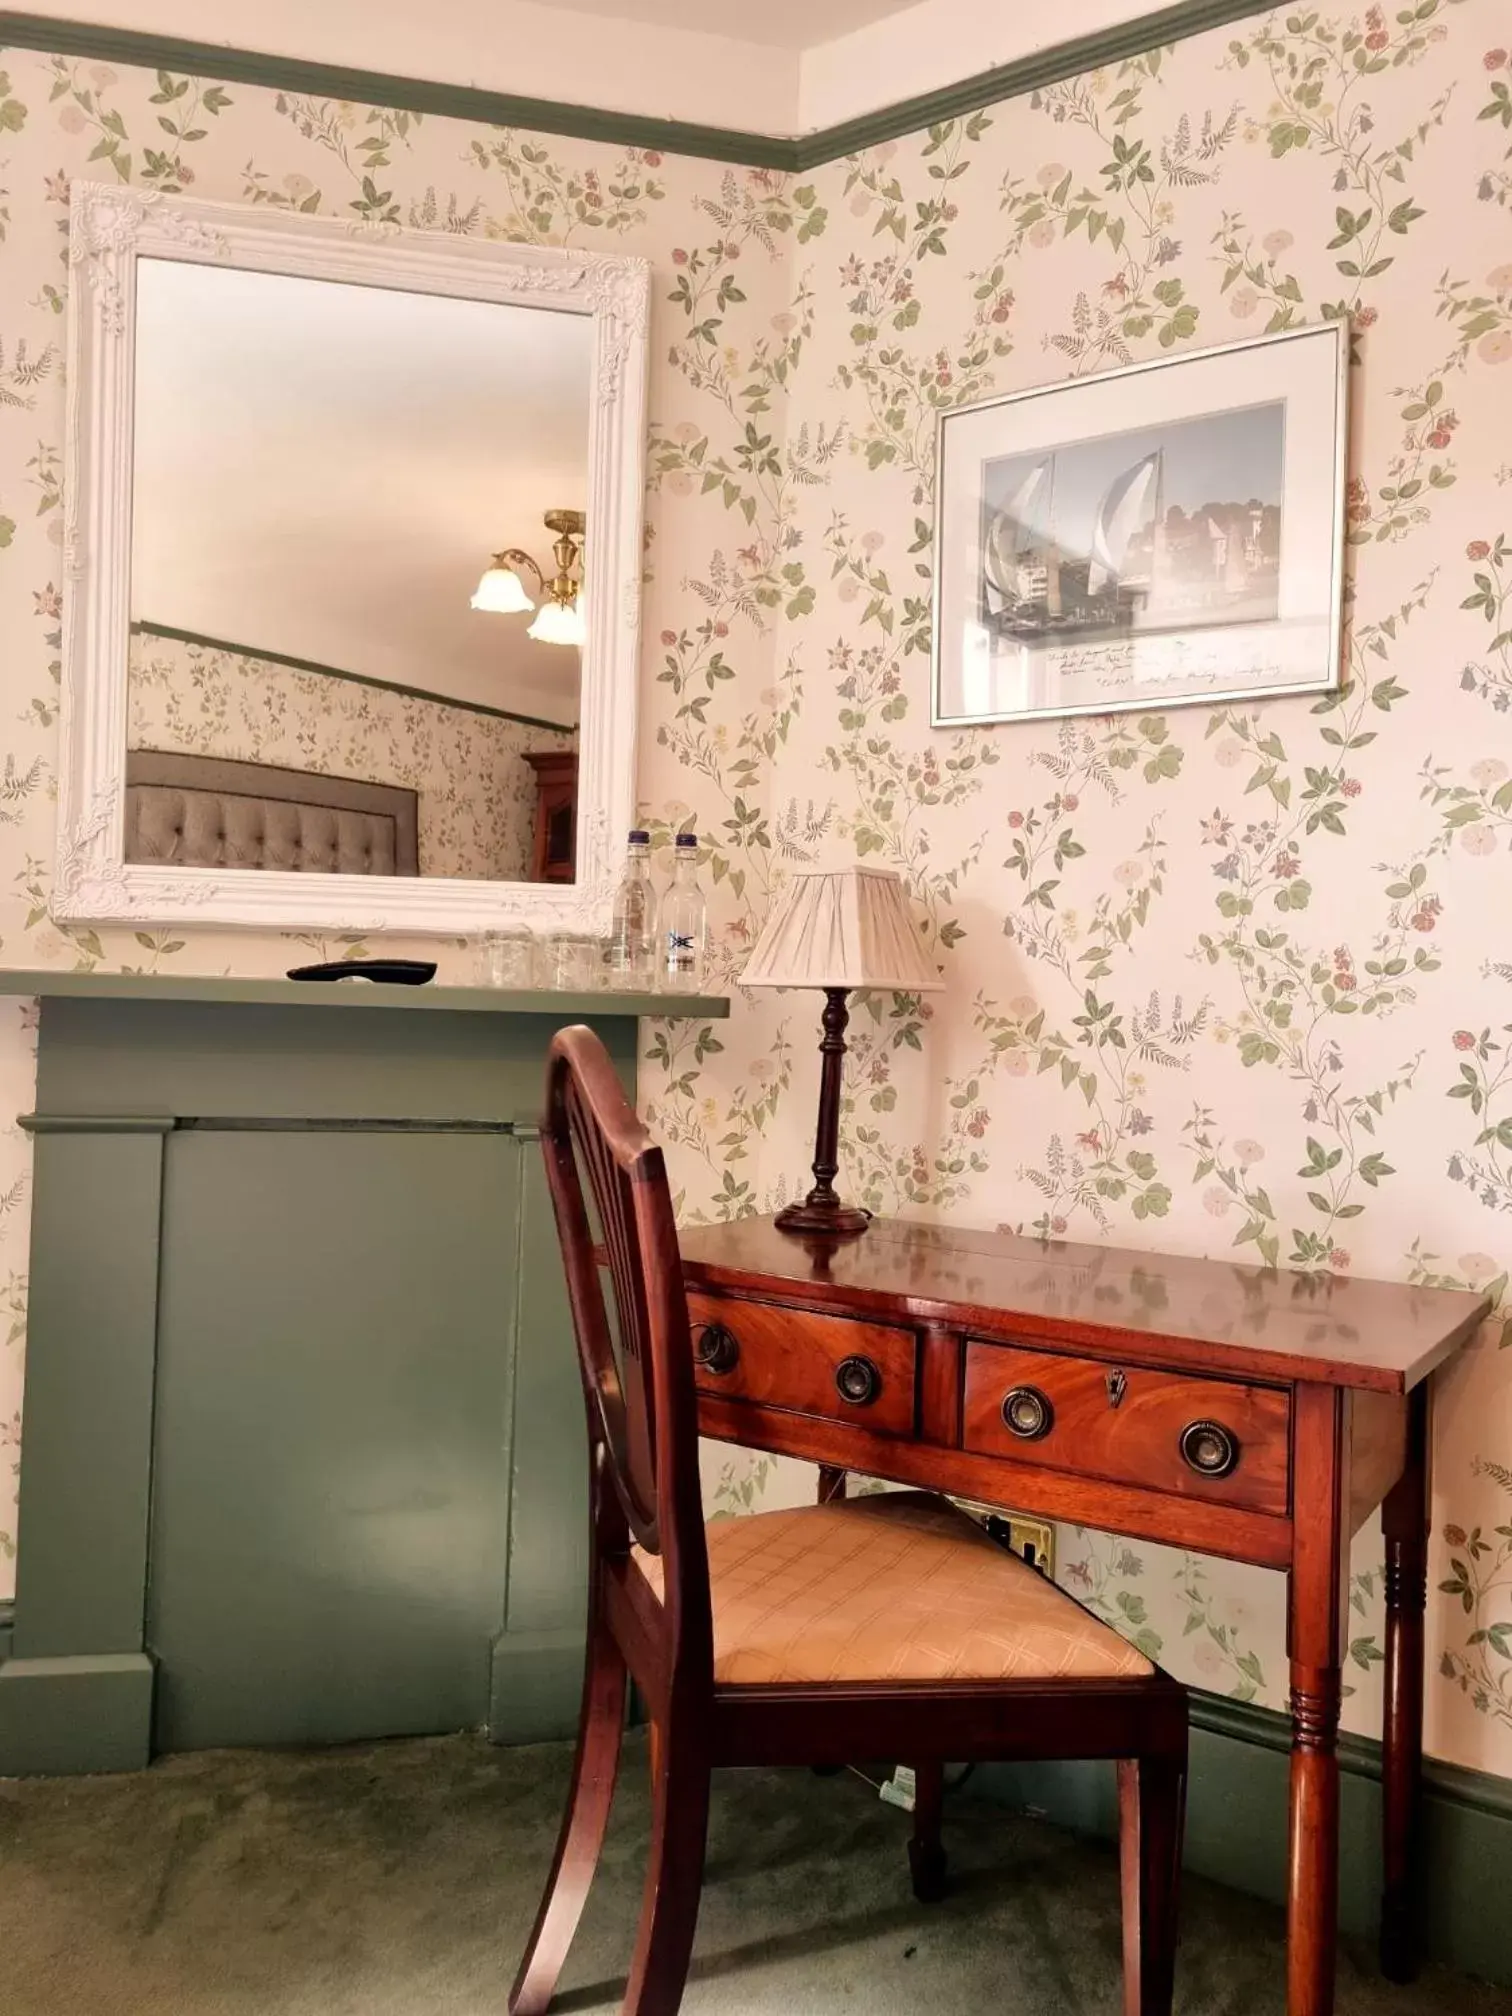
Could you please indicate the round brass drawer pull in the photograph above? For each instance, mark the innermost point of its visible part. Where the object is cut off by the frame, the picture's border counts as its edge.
(1027, 1413)
(857, 1381)
(1209, 1448)
(716, 1349)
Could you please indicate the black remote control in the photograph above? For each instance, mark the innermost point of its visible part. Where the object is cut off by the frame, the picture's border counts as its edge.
(396, 972)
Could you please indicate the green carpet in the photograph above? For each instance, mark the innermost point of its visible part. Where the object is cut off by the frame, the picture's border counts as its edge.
(399, 1879)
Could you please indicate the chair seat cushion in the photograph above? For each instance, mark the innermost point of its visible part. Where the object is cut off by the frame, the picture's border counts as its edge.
(902, 1586)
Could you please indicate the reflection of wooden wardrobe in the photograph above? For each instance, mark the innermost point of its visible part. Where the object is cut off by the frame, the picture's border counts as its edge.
(553, 852)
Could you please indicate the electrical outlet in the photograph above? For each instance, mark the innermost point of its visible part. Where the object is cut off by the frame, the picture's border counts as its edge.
(1033, 1540)
(901, 1789)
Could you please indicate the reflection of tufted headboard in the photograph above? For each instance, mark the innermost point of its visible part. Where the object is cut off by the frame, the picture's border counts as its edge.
(210, 812)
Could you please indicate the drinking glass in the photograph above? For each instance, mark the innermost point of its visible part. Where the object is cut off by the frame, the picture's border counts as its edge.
(505, 959)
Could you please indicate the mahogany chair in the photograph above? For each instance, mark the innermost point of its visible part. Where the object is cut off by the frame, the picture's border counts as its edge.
(888, 1626)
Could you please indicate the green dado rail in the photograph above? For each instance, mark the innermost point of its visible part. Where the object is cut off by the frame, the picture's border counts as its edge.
(303, 1454)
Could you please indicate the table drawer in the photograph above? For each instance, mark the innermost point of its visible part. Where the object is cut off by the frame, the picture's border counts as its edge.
(1205, 1438)
(832, 1366)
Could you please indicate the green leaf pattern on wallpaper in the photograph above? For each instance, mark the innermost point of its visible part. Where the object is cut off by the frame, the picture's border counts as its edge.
(1225, 981)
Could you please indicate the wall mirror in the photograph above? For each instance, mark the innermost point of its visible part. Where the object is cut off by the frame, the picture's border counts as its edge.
(353, 549)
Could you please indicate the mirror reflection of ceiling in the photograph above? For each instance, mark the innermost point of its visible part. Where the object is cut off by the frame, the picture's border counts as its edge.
(322, 471)
(787, 24)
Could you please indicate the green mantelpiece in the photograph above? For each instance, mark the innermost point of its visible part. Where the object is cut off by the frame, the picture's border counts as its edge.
(302, 1456)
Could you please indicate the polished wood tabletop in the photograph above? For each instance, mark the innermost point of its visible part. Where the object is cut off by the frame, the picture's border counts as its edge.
(1214, 1315)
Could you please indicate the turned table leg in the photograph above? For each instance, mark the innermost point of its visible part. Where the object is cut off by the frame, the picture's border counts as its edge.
(1317, 1608)
(1404, 1517)
(831, 1490)
(1312, 1912)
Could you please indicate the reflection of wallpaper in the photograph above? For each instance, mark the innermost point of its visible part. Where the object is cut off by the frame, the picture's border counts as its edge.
(477, 794)
(1204, 970)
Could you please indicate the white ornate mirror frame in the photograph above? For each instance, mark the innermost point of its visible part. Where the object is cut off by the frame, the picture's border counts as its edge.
(111, 229)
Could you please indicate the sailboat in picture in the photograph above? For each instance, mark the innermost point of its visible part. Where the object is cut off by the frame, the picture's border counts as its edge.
(1129, 504)
(1037, 589)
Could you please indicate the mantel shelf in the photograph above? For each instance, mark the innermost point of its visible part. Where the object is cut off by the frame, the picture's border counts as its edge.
(175, 987)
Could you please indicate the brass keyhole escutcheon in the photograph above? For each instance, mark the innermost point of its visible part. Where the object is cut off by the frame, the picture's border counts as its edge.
(1117, 1384)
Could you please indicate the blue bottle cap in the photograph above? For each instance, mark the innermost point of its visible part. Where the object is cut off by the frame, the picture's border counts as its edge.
(687, 840)
(638, 838)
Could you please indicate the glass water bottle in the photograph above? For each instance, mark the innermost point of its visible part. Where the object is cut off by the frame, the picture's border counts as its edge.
(630, 955)
(683, 921)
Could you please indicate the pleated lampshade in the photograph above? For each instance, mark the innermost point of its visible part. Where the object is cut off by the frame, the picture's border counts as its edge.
(841, 927)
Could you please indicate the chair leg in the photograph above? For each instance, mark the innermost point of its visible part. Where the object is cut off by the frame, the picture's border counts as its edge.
(674, 1877)
(600, 1733)
(926, 1858)
(1151, 1809)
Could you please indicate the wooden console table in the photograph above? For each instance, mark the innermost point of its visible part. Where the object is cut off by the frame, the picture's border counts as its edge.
(1235, 1411)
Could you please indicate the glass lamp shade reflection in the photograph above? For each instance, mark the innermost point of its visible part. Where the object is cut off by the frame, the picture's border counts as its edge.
(559, 623)
(501, 592)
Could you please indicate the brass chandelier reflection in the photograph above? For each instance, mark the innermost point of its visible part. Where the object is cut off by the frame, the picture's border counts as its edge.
(559, 619)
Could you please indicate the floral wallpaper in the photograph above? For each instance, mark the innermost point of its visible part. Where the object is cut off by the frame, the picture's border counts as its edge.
(477, 792)
(1223, 980)
(1218, 981)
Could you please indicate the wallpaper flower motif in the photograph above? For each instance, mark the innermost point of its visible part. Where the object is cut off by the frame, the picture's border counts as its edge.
(1217, 980)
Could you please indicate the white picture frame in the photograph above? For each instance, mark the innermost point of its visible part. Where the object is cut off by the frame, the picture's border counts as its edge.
(111, 229)
(1090, 559)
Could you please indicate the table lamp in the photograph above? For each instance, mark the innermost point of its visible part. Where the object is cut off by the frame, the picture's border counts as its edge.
(839, 929)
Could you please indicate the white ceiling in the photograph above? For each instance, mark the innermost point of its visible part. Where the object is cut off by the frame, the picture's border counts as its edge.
(780, 24)
(323, 470)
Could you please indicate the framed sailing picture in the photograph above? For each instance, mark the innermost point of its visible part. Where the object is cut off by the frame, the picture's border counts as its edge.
(1166, 534)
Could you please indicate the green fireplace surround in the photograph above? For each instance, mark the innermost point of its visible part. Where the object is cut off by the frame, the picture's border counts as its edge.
(303, 1452)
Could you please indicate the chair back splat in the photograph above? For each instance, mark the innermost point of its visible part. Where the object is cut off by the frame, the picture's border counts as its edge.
(634, 1348)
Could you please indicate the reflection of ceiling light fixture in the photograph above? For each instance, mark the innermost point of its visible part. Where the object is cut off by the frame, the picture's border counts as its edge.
(502, 592)
(558, 623)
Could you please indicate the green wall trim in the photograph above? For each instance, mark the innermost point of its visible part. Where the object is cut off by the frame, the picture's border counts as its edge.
(278, 1123)
(96, 1123)
(1236, 1827)
(249, 1123)
(92, 1712)
(351, 678)
(794, 155)
(1360, 1756)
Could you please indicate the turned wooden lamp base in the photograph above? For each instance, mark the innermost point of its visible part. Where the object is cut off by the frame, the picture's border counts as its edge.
(822, 1214)
(833, 1221)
